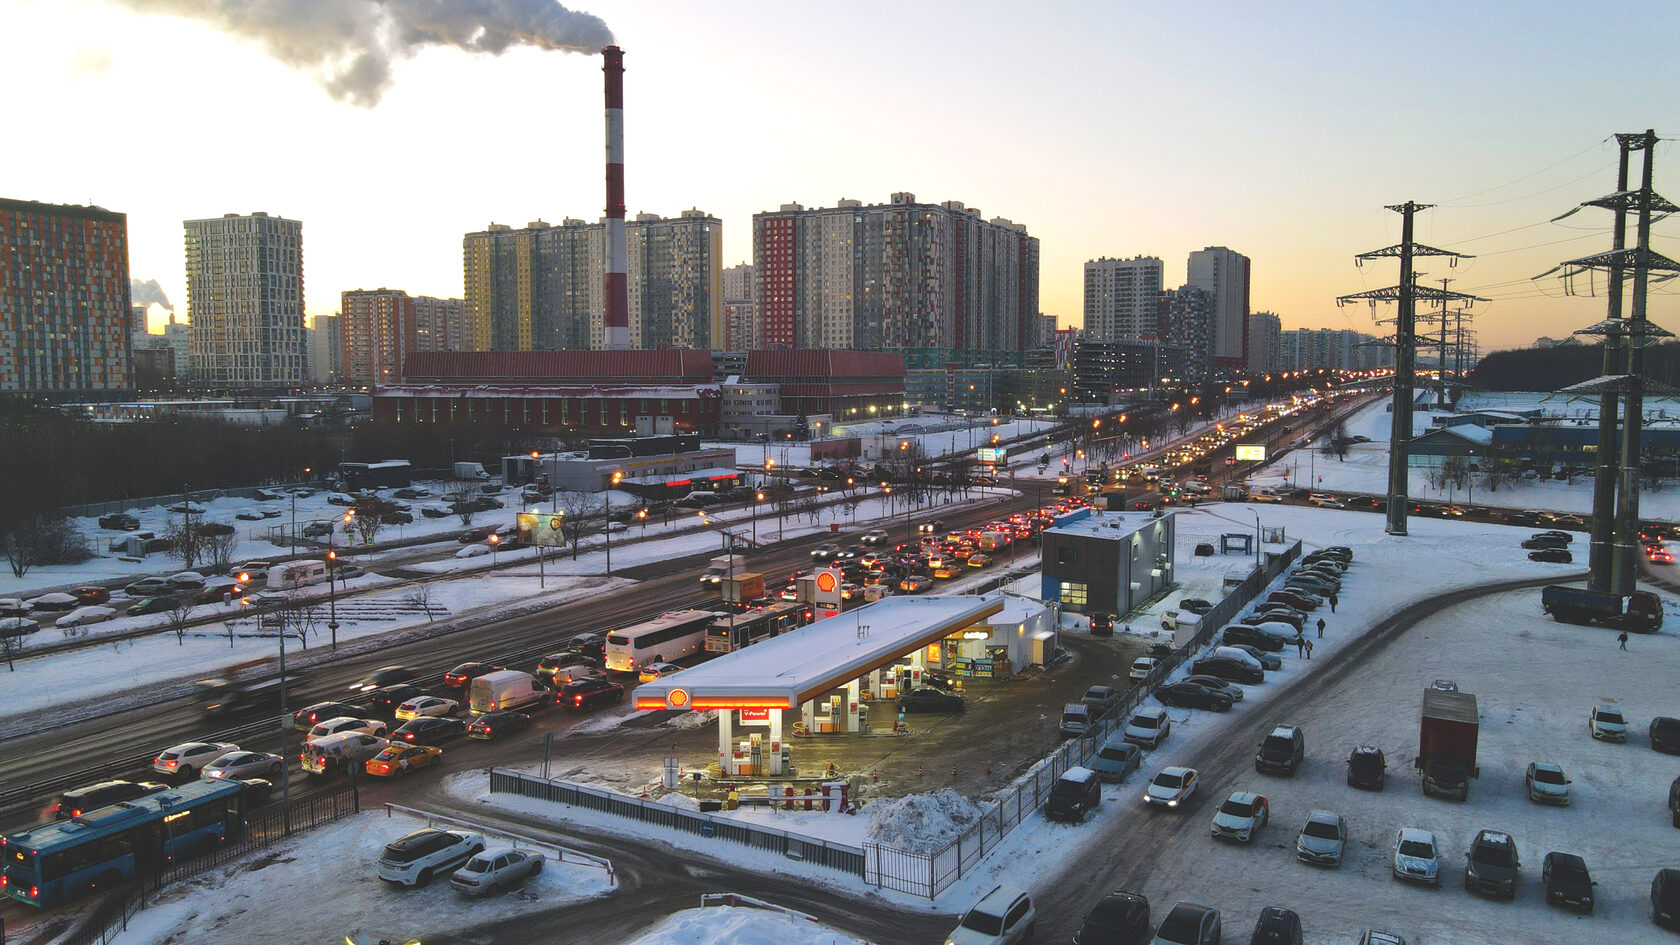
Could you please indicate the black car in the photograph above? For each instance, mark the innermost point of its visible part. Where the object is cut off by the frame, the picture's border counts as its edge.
(390, 697)
(1546, 541)
(589, 644)
(1276, 927)
(429, 730)
(1102, 625)
(257, 791)
(1160, 650)
(1224, 667)
(493, 725)
(554, 662)
(929, 699)
(1295, 599)
(1563, 537)
(1665, 898)
(1195, 605)
(83, 799)
(1367, 768)
(1191, 696)
(940, 679)
(1119, 918)
(1665, 735)
(588, 693)
(1567, 882)
(386, 676)
(151, 605)
(119, 522)
(307, 717)
(850, 553)
(1493, 864)
(1552, 556)
(1248, 636)
(397, 517)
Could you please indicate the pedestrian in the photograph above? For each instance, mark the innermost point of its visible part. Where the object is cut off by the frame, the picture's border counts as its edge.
(1309, 649)
(1332, 604)
(1300, 645)
(1622, 639)
(1321, 628)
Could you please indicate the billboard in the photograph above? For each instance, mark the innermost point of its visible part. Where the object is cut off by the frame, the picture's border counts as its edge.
(541, 528)
(1251, 453)
(992, 455)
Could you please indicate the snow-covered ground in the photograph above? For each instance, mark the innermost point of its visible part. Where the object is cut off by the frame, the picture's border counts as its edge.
(322, 886)
(735, 925)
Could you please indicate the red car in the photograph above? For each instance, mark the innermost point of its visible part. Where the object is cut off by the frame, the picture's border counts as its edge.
(91, 595)
(467, 672)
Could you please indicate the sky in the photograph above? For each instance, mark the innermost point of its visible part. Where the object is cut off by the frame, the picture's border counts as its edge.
(1109, 129)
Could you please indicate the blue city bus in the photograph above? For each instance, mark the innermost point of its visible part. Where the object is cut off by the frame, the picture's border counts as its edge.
(104, 847)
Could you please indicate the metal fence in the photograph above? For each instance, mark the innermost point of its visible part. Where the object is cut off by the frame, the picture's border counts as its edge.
(825, 853)
(930, 873)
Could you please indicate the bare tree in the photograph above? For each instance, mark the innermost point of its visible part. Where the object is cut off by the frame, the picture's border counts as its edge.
(575, 509)
(218, 550)
(463, 502)
(421, 596)
(184, 541)
(13, 640)
(181, 607)
(23, 545)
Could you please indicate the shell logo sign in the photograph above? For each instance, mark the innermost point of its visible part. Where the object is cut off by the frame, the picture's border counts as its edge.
(827, 593)
(677, 698)
(826, 581)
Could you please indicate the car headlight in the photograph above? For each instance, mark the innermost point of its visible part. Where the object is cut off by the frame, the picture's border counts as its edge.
(1173, 802)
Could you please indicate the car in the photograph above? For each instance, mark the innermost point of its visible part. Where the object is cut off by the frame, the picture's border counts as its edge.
(421, 707)
(493, 869)
(1193, 696)
(1606, 723)
(1547, 784)
(1660, 556)
(306, 718)
(386, 676)
(1244, 635)
(76, 802)
(979, 559)
(388, 698)
(1322, 839)
(240, 765)
(93, 594)
(930, 699)
(1004, 916)
(84, 616)
(551, 664)
(493, 725)
(875, 536)
(947, 570)
(1218, 685)
(1195, 605)
(149, 587)
(119, 522)
(1567, 882)
(428, 730)
(1541, 542)
(1665, 735)
(1367, 768)
(415, 858)
(346, 723)
(1492, 864)
(186, 758)
(1444, 685)
(1147, 728)
(789, 593)
(933, 527)
(915, 583)
(589, 644)
(1142, 667)
(251, 572)
(1276, 926)
(250, 515)
(396, 761)
(1665, 898)
(1171, 787)
(411, 493)
(1552, 556)
(588, 693)
(1267, 661)
(460, 676)
(1416, 857)
(1102, 625)
(653, 671)
(849, 553)
(218, 589)
(1225, 667)
(1119, 918)
(1115, 760)
(1241, 817)
(1190, 923)
(825, 552)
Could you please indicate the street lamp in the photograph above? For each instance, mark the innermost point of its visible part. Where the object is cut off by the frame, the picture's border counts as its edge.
(617, 477)
(757, 498)
(642, 515)
(494, 540)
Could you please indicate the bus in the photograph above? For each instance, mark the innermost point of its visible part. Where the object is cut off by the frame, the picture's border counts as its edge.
(665, 638)
(99, 849)
(732, 631)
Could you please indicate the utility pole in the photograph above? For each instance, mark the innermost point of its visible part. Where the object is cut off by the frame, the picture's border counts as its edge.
(1405, 341)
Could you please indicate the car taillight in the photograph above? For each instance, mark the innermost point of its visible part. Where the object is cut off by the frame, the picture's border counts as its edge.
(76, 812)
(578, 700)
(486, 729)
(34, 891)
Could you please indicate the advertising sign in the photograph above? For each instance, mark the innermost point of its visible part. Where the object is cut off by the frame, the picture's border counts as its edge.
(993, 455)
(541, 528)
(1251, 453)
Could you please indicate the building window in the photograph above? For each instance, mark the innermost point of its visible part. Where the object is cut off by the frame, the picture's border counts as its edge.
(1074, 596)
(1067, 556)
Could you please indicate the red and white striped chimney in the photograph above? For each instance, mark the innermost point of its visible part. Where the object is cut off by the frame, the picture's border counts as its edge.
(617, 320)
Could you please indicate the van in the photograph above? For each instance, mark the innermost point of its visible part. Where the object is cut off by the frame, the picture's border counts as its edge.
(337, 753)
(1076, 718)
(1076, 793)
(508, 689)
(1282, 751)
(296, 574)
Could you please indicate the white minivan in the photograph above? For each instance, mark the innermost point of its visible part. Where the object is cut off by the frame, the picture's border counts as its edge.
(508, 689)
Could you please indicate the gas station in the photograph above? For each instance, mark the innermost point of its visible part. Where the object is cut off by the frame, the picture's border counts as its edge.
(828, 672)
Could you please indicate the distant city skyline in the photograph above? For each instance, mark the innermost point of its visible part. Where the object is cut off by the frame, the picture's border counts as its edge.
(1282, 138)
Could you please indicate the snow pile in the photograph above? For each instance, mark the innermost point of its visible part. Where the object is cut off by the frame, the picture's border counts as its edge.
(692, 720)
(734, 925)
(922, 823)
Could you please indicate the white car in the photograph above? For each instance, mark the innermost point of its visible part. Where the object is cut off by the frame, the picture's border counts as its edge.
(492, 869)
(1417, 857)
(1547, 784)
(875, 536)
(1147, 728)
(245, 764)
(345, 723)
(1142, 667)
(423, 706)
(1323, 838)
(416, 858)
(1607, 724)
(1172, 787)
(1004, 916)
(186, 758)
(249, 515)
(82, 616)
(1241, 817)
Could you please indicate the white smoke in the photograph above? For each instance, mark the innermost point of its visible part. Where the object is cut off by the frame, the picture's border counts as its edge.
(147, 294)
(350, 46)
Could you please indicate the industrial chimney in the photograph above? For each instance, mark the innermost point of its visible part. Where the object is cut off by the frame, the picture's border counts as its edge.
(617, 320)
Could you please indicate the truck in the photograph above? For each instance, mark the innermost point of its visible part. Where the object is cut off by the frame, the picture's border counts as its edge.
(1640, 611)
(1233, 492)
(468, 471)
(1447, 743)
(743, 587)
(720, 568)
(237, 690)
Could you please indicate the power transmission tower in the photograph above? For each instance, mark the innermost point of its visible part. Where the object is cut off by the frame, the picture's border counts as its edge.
(1445, 318)
(1405, 341)
(1613, 560)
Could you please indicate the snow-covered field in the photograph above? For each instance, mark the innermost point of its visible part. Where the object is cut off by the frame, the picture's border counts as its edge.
(735, 925)
(322, 886)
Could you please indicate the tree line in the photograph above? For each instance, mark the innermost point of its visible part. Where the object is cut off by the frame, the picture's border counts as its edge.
(1549, 369)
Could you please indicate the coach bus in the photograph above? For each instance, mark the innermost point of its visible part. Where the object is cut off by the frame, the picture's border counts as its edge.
(730, 632)
(104, 847)
(665, 638)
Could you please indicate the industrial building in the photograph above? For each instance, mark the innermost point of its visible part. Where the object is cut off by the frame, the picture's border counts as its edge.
(1107, 562)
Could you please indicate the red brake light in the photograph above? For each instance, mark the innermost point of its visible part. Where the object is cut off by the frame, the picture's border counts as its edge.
(577, 699)
(34, 891)
(75, 813)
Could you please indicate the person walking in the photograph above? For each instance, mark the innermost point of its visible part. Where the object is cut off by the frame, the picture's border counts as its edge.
(1309, 649)
(1622, 639)
(1300, 645)
(1321, 628)
(1332, 604)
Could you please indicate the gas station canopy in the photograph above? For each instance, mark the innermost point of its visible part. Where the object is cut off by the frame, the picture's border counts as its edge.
(789, 670)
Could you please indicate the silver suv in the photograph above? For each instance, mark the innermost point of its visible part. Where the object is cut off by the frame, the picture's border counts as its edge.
(414, 859)
(1147, 727)
(1003, 916)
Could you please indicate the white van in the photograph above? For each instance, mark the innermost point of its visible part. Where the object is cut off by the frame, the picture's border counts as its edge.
(508, 689)
(336, 753)
(296, 574)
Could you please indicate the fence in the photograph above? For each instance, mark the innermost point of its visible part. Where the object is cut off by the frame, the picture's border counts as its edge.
(824, 853)
(929, 874)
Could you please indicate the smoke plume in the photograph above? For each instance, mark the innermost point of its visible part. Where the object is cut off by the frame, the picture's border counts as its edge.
(350, 46)
(146, 293)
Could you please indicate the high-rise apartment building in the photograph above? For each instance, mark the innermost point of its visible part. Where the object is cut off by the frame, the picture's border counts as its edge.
(1121, 297)
(1224, 274)
(900, 275)
(740, 308)
(439, 324)
(64, 301)
(326, 350)
(1302, 349)
(380, 328)
(245, 301)
(1265, 339)
(539, 288)
(1186, 322)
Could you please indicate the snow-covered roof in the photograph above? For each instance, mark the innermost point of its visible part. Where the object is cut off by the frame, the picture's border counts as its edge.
(794, 668)
(716, 472)
(1093, 523)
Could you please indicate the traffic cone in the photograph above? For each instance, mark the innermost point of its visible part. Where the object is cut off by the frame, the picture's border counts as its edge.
(953, 771)
(918, 771)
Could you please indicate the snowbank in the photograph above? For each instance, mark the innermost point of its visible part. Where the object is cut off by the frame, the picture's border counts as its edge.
(922, 823)
(733, 925)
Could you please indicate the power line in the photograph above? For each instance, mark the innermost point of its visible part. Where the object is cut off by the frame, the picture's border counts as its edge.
(1591, 147)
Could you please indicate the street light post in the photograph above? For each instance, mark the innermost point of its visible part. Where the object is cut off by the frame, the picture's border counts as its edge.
(617, 477)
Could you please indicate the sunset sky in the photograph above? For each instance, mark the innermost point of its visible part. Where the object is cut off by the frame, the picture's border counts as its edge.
(1108, 129)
